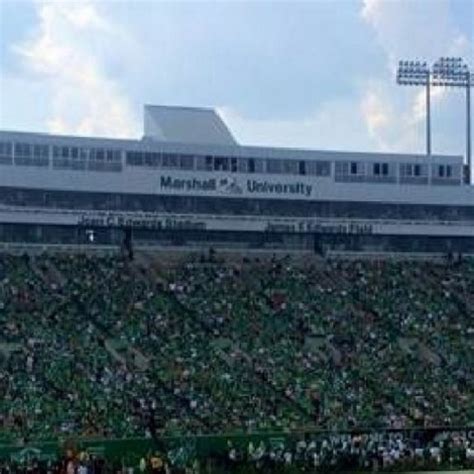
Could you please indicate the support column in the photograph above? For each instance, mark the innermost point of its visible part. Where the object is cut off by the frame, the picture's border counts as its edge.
(468, 129)
(428, 115)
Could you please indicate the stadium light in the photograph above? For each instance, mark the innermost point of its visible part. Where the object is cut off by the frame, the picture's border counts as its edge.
(453, 72)
(446, 72)
(417, 73)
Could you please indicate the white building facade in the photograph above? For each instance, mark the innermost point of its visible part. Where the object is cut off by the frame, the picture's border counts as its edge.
(188, 182)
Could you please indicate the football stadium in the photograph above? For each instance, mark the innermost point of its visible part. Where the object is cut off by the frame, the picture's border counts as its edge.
(183, 303)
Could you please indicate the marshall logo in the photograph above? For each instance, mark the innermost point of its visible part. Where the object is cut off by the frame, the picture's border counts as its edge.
(230, 186)
(226, 185)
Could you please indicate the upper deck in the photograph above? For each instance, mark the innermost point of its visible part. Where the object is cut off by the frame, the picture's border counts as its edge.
(208, 162)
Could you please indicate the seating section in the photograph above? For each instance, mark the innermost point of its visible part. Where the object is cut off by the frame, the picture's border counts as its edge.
(99, 346)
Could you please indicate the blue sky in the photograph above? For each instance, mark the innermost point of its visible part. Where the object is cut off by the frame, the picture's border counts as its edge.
(314, 74)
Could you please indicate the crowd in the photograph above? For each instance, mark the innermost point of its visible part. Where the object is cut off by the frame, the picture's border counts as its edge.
(369, 452)
(100, 346)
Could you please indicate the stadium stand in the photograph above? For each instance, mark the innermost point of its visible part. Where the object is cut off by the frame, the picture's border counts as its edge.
(98, 346)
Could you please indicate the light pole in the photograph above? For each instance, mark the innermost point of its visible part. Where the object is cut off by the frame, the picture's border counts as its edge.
(453, 72)
(416, 73)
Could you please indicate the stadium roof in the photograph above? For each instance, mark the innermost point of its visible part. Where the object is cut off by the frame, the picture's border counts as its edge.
(186, 125)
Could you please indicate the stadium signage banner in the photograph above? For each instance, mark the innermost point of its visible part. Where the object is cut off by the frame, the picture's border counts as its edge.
(312, 227)
(153, 222)
(230, 186)
(232, 223)
(140, 222)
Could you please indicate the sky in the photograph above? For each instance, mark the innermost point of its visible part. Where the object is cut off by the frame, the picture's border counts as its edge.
(315, 74)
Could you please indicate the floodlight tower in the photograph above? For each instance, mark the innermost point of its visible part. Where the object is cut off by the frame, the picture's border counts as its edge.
(453, 72)
(416, 73)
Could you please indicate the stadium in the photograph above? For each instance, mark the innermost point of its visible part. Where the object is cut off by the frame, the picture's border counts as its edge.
(188, 183)
(187, 301)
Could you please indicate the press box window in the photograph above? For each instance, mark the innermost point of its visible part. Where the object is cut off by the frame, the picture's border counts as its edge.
(410, 170)
(22, 149)
(290, 166)
(318, 168)
(251, 165)
(380, 169)
(186, 162)
(274, 166)
(302, 167)
(169, 160)
(444, 171)
(5, 149)
(40, 151)
(221, 164)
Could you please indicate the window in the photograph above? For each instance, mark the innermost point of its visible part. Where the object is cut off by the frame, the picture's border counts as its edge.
(302, 167)
(233, 165)
(221, 163)
(274, 166)
(134, 158)
(445, 171)
(200, 163)
(259, 165)
(41, 151)
(209, 163)
(411, 170)
(380, 169)
(170, 160)
(22, 149)
(5, 149)
(31, 155)
(353, 168)
(149, 160)
(251, 165)
(84, 153)
(318, 168)
(5, 153)
(187, 162)
(290, 167)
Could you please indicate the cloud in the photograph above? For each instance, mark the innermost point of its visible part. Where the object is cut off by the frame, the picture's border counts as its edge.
(426, 29)
(67, 53)
(410, 30)
(375, 112)
(335, 125)
(91, 59)
(379, 115)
